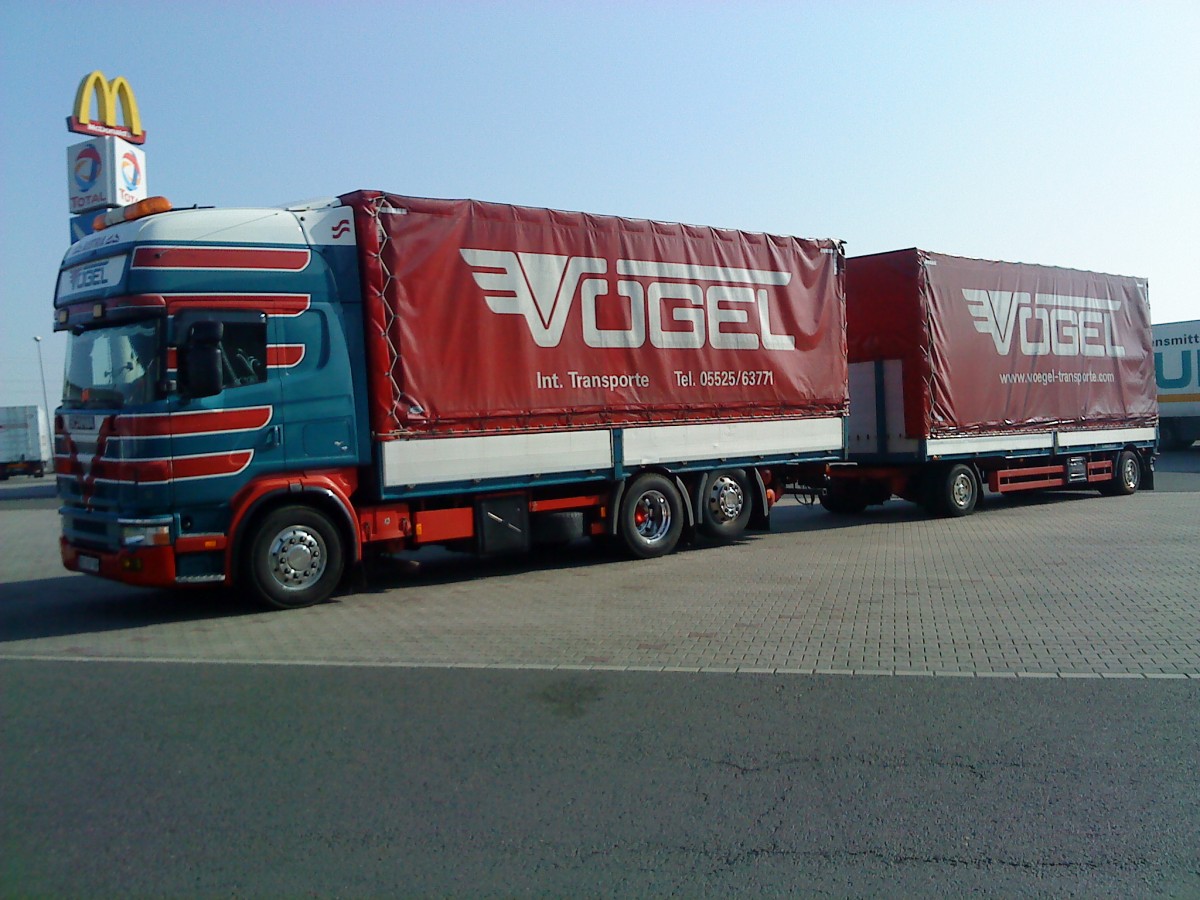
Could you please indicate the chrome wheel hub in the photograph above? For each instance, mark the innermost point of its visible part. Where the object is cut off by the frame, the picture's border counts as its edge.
(725, 500)
(1129, 473)
(961, 490)
(652, 516)
(297, 558)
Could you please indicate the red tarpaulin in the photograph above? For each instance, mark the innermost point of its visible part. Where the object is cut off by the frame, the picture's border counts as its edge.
(483, 316)
(994, 346)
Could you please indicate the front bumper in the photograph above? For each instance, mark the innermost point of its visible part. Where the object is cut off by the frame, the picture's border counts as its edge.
(146, 566)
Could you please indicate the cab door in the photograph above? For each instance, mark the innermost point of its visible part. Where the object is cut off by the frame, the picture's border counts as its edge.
(221, 442)
(311, 357)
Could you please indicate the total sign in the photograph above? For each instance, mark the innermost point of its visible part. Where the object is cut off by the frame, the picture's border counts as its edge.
(105, 172)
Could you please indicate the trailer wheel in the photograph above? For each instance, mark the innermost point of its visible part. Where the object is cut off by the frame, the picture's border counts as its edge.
(651, 516)
(843, 498)
(295, 558)
(955, 491)
(725, 504)
(1127, 476)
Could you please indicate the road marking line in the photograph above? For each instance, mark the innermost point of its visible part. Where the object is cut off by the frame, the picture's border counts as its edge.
(584, 667)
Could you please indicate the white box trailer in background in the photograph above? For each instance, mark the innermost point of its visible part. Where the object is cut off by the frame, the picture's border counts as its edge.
(24, 441)
(1177, 371)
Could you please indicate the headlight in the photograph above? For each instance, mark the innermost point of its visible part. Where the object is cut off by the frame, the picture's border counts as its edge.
(145, 535)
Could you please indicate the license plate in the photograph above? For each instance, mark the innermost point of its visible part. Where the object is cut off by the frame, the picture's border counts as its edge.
(88, 563)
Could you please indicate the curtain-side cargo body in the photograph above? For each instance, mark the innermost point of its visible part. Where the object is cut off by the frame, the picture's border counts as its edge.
(265, 397)
(968, 373)
(1177, 370)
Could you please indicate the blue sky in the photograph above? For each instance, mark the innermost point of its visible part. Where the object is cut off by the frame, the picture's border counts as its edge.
(1050, 132)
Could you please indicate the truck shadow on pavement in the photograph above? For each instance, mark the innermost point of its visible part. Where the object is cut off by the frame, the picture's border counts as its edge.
(434, 566)
(78, 605)
(58, 607)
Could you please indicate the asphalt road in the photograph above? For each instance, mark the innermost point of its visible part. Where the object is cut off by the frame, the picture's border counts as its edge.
(196, 780)
(321, 770)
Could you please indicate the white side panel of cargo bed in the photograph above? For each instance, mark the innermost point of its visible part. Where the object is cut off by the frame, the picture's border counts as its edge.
(681, 443)
(437, 460)
(1043, 440)
(1109, 436)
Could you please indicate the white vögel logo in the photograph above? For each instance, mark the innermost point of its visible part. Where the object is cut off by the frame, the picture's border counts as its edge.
(542, 287)
(1046, 324)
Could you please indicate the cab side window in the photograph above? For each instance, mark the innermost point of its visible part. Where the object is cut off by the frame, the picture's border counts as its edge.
(243, 346)
(244, 353)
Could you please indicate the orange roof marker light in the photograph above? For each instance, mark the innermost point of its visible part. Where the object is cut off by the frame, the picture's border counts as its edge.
(148, 207)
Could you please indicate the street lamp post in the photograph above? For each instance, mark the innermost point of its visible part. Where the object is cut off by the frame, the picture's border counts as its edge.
(42, 372)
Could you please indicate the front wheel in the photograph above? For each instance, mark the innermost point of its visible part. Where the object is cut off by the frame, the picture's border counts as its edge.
(1127, 477)
(651, 516)
(295, 558)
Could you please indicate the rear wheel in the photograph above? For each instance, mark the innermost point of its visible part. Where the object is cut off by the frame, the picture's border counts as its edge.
(295, 559)
(844, 498)
(1127, 476)
(954, 491)
(651, 516)
(725, 504)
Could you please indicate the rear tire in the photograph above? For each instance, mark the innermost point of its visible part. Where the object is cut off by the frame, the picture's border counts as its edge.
(844, 498)
(651, 516)
(295, 559)
(1127, 476)
(725, 504)
(954, 491)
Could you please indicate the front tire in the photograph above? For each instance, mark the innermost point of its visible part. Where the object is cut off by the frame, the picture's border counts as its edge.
(651, 516)
(296, 558)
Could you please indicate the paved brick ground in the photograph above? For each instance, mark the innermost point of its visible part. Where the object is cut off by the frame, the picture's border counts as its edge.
(1070, 586)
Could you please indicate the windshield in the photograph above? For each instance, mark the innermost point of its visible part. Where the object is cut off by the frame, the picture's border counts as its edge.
(113, 367)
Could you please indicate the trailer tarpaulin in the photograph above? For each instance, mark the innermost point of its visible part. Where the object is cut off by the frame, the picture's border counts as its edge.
(485, 316)
(994, 346)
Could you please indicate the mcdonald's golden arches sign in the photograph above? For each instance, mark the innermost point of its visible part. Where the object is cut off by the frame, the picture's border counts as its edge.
(108, 95)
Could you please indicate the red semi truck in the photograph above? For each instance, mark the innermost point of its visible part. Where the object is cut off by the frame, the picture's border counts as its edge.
(966, 374)
(262, 398)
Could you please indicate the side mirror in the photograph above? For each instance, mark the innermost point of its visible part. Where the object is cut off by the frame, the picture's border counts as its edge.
(202, 358)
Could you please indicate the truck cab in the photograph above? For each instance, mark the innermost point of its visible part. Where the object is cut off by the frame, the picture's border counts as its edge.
(208, 376)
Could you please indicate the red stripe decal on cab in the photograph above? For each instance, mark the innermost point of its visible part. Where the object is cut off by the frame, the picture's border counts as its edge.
(284, 356)
(184, 424)
(265, 259)
(271, 304)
